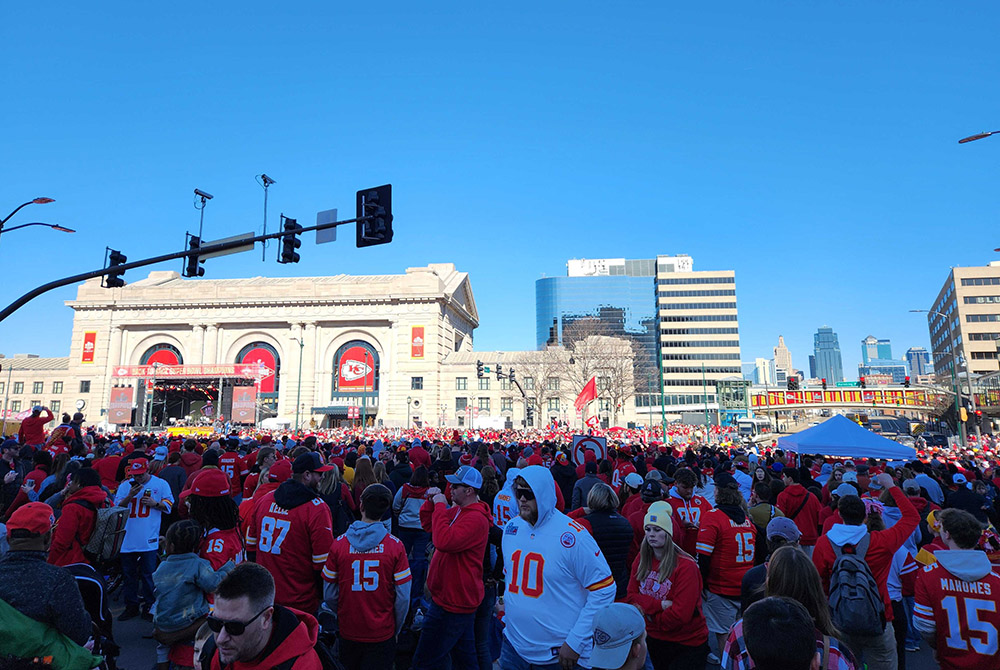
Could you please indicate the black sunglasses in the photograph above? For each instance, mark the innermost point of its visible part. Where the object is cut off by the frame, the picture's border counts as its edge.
(524, 492)
(232, 627)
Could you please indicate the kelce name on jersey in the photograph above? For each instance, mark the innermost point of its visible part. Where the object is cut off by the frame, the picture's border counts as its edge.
(380, 549)
(965, 587)
(277, 510)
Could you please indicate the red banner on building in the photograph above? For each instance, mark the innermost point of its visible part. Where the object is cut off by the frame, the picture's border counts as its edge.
(356, 370)
(417, 342)
(120, 406)
(244, 404)
(89, 346)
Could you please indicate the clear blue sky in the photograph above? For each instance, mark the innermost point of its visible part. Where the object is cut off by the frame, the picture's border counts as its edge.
(809, 146)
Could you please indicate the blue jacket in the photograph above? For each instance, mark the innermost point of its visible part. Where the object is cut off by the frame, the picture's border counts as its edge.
(182, 580)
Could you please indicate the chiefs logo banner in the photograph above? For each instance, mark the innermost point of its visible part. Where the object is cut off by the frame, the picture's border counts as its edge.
(356, 370)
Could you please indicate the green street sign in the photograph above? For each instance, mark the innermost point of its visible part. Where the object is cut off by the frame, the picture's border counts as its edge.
(846, 384)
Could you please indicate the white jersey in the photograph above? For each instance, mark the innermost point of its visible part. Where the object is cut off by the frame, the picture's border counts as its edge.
(142, 529)
(557, 579)
(504, 505)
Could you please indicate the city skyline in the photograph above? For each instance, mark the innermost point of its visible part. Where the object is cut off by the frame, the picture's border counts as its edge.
(745, 145)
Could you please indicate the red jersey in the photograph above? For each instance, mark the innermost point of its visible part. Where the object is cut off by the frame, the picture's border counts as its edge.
(964, 617)
(367, 581)
(688, 515)
(623, 470)
(220, 546)
(730, 546)
(293, 544)
(231, 463)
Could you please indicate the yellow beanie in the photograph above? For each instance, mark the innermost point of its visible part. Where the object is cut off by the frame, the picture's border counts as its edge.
(660, 514)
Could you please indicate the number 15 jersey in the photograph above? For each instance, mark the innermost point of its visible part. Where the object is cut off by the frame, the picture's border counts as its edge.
(731, 548)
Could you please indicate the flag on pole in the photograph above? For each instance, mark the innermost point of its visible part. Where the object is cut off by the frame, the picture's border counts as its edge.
(588, 394)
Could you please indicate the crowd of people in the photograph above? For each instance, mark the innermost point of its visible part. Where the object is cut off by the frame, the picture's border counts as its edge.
(423, 549)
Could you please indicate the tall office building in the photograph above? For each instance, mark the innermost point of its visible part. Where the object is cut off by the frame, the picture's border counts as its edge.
(969, 301)
(783, 357)
(764, 372)
(919, 361)
(873, 348)
(898, 370)
(812, 366)
(826, 349)
(694, 313)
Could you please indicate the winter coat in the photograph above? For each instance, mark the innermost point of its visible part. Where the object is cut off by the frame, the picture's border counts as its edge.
(460, 535)
(406, 505)
(182, 582)
(293, 635)
(76, 525)
(806, 517)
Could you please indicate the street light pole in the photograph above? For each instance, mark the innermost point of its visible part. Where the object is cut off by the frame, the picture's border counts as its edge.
(954, 381)
(34, 201)
(298, 391)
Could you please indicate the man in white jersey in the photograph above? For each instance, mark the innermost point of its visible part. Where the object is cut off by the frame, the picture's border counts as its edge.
(556, 578)
(504, 505)
(147, 499)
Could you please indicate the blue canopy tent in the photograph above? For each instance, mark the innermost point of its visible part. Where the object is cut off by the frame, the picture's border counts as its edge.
(841, 437)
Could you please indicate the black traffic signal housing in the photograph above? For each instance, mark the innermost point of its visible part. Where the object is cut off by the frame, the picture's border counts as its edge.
(499, 372)
(906, 382)
(192, 265)
(374, 214)
(530, 415)
(510, 375)
(824, 383)
(290, 241)
(114, 259)
(861, 381)
(479, 369)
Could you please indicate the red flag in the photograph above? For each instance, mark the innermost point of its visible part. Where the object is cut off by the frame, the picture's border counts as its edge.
(588, 394)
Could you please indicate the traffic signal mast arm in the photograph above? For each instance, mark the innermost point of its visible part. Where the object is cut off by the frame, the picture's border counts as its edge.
(120, 269)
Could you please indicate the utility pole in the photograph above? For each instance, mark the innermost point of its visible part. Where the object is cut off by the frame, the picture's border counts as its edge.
(298, 391)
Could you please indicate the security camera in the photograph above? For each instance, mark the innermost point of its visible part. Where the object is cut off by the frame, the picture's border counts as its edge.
(267, 180)
(206, 196)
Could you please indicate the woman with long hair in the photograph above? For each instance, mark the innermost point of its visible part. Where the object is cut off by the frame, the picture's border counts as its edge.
(491, 485)
(364, 476)
(791, 573)
(215, 510)
(382, 477)
(266, 457)
(666, 585)
(337, 495)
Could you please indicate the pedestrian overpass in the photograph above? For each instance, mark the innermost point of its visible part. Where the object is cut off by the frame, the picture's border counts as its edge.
(922, 399)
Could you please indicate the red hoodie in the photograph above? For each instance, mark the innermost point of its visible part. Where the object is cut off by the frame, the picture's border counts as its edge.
(293, 636)
(806, 517)
(682, 622)
(460, 535)
(75, 526)
(881, 548)
(190, 461)
(107, 468)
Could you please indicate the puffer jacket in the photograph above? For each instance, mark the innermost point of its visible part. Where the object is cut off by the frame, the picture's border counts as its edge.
(76, 525)
(406, 505)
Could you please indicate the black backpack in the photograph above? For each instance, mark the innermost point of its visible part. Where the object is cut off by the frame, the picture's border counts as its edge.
(855, 601)
(341, 515)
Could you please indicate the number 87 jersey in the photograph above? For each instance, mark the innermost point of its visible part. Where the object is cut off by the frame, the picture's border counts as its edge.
(962, 614)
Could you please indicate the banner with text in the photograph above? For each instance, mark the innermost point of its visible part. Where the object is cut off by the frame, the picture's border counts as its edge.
(89, 346)
(244, 404)
(242, 370)
(120, 406)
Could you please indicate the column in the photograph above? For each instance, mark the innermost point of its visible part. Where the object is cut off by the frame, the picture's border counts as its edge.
(198, 344)
(211, 353)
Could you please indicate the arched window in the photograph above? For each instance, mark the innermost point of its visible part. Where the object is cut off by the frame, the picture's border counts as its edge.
(355, 368)
(164, 354)
(262, 353)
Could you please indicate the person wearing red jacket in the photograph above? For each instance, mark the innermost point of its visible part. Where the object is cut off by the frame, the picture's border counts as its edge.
(455, 577)
(32, 430)
(883, 544)
(79, 515)
(254, 633)
(418, 456)
(801, 507)
(666, 585)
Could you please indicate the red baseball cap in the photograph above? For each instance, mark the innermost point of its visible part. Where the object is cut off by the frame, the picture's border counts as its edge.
(139, 466)
(280, 471)
(35, 517)
(211, 484)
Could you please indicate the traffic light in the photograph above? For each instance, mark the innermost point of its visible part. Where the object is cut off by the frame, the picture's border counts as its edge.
(530, 415)
(114, 279)
(479, 369)
(499, 372)
(510, 375)
(793, 383)
(962, 414)
(192, 268)
(824, 383)
(290, 242)
(906, 382)
(861, 381)
(374, 214)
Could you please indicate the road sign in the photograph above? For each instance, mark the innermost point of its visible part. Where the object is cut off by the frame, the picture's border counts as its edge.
(234, 250)
(583, 442)
(330, 234)
(846, 384)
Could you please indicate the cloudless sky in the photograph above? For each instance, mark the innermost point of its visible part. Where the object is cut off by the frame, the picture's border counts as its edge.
(809, 146)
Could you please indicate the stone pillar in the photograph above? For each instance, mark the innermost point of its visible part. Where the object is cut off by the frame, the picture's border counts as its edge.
(211, 349)
(198, 344)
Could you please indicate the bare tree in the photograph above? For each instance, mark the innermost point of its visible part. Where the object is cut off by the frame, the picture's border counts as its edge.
(609, 360)
(537, 372)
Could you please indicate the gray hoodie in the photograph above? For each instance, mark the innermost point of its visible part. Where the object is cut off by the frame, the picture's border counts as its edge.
(364, 536)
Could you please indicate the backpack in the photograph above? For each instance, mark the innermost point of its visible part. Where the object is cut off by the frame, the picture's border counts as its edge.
(109, 532)
(342, 517)
(855, 601)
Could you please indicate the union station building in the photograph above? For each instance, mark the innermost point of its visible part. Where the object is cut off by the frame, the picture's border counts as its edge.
(388, 350)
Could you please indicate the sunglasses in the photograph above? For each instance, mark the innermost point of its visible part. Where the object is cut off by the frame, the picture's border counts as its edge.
(232, 627)
(524, 492)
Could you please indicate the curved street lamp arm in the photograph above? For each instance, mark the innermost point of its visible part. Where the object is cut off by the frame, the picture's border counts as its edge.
(38, 223)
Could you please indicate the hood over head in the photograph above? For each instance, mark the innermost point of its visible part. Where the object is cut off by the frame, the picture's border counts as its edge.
(293, 493)
(364, 536)
(968, 565)
(544, 487)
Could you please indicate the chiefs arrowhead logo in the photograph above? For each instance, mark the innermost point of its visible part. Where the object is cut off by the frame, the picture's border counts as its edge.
(351, 371)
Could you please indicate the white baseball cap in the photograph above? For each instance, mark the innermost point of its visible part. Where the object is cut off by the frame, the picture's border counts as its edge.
(616, 627)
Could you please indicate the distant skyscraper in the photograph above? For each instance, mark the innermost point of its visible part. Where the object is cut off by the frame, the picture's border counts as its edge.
(782, 356)
(812, 367)
(873, 348)
(884, 350)
(919, 361)
(764, 372)
(826, 349)
(898, 370)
